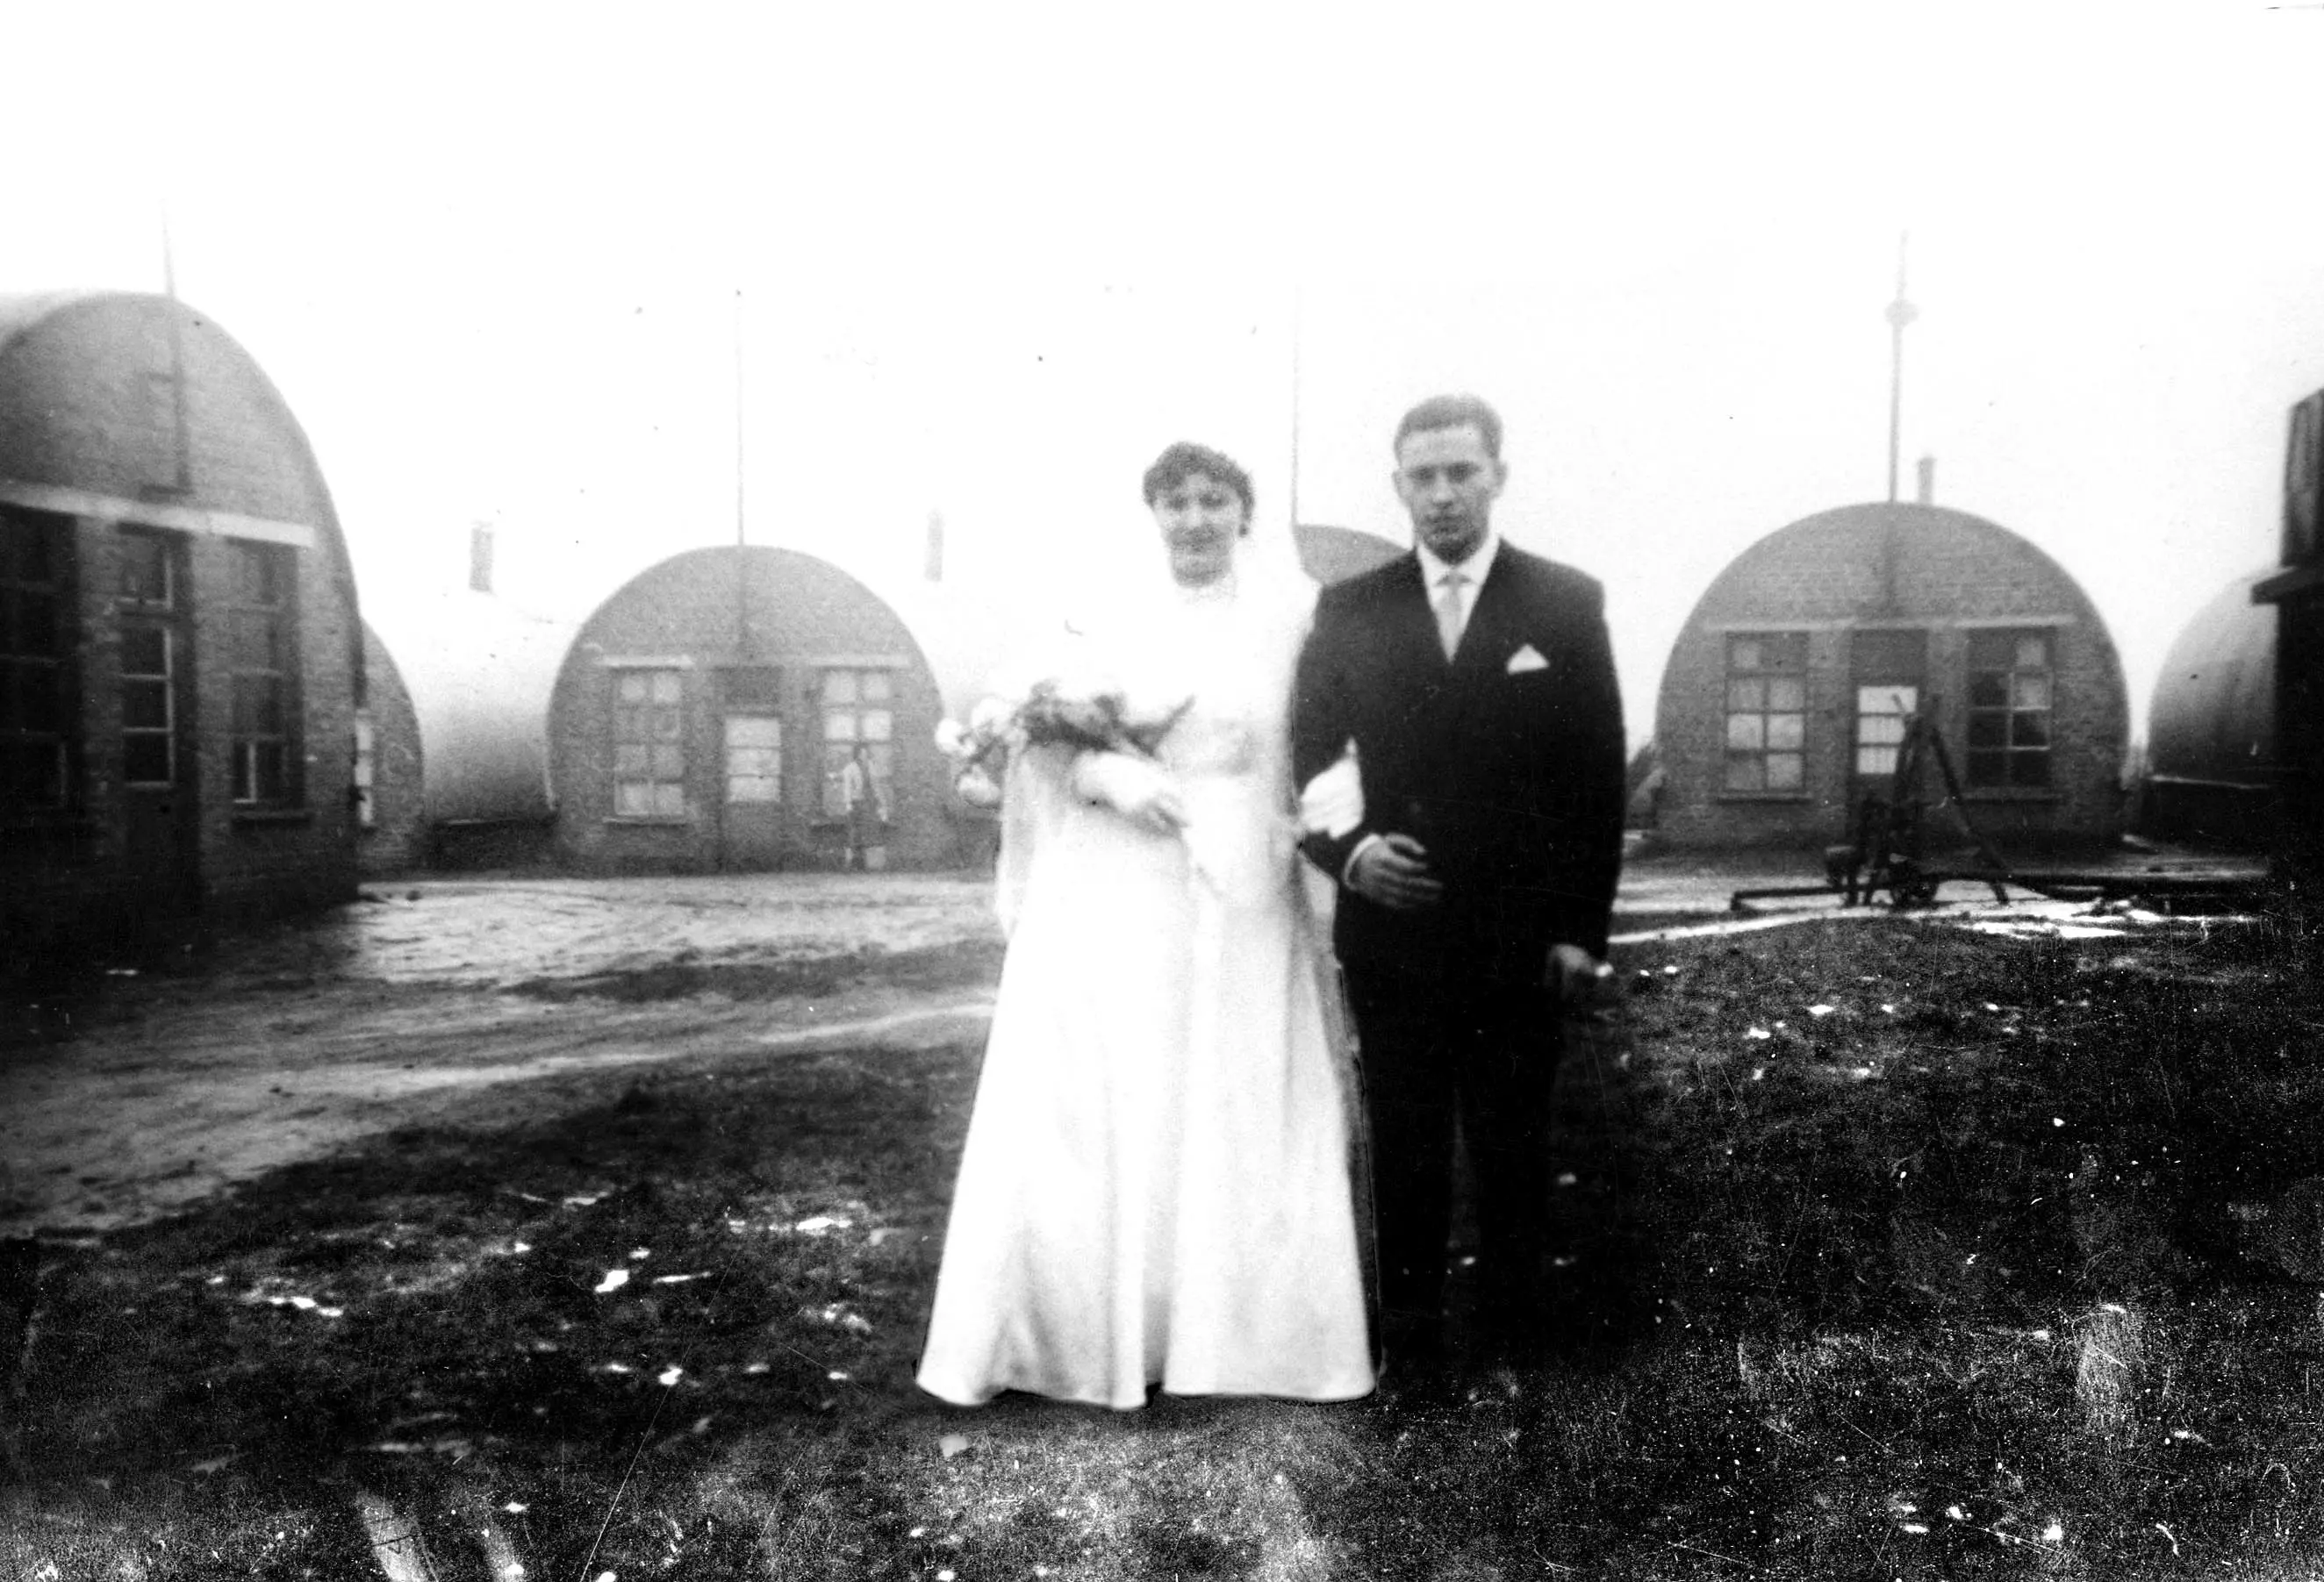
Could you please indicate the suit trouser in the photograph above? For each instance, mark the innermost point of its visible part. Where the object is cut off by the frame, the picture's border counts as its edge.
(1483, 1052)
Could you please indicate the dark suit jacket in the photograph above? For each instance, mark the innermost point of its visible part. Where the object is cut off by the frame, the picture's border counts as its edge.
(1513, 781)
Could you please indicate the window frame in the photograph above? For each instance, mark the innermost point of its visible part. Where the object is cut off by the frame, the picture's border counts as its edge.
(2026, 768)
(22, 743)
(663, 761)
(255, 683)
(1752, 665)
(857, 706)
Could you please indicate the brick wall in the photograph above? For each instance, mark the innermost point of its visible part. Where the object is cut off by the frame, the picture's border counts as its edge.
(397, 839)
(1891, 566)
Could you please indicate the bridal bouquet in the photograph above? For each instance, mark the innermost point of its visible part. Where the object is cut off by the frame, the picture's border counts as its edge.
(1092, 720)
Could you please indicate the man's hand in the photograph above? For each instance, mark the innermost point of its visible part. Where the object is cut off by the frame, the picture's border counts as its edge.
(1580, 979)
(1393, 872)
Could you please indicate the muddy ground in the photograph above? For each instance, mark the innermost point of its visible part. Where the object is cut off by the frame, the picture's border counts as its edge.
(588, 1227)
(137, 1090)
(146, 1084)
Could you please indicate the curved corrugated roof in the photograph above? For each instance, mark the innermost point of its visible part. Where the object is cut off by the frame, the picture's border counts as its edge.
(20, 310)
(480, 675)
(1921, 555)
(2213, 717)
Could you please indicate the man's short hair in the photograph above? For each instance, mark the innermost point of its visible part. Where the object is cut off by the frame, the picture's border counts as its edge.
(1451, 411)
(1183, 460)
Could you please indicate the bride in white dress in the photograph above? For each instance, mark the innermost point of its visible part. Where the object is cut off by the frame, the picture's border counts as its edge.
(1155, 1188)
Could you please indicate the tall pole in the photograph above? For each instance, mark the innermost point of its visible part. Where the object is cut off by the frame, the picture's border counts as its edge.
(181, 434)
(1900, 314)
(741, 569)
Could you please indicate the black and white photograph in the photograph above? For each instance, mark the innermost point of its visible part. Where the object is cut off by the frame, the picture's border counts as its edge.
(1280, 792)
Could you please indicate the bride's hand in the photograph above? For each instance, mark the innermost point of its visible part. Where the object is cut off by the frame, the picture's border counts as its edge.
(1139, 789)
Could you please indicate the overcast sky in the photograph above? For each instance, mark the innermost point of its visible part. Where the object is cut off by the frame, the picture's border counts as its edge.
(987, 261)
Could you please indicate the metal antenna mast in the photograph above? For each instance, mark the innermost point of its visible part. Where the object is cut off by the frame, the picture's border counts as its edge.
(1900, 314)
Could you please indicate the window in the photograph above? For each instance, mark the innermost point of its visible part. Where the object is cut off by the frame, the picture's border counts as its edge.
(262, 617)
(35, 707)
(2011, 690)
(149, 703)
(366, 774)
(856, 712)
(1766, 712)
(754, 759)
(648, 744)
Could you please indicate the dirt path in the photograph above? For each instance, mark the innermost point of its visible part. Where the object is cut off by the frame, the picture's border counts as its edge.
(457, 1008)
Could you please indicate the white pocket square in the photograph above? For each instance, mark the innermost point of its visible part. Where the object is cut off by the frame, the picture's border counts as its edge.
(1528, 658)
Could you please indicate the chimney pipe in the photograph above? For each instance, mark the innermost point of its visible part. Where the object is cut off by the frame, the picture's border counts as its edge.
(1928, 479)
(480, 559)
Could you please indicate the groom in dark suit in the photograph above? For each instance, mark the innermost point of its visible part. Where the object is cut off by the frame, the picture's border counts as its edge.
(1474, 685)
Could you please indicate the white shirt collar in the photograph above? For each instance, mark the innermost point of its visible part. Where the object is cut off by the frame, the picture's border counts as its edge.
(1479, 563)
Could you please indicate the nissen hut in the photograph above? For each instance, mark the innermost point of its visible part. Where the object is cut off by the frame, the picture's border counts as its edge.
(180, 656)
(1787, 695)
(705, 715)
(2211, 732)
(454, 750)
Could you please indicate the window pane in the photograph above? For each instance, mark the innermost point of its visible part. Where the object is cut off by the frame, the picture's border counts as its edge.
(144, 651)
(35, 625)
(1743, 654)
(145, 705)
(753, 730)
(1989, 691)
(1747, 695)
(746, 789)
(1788, 694)
(667, 686)
(1787, 730)
(879, 724)
(2033, 692)
(669, 762)
(144, 568)
(145, 760)
(2033, 653)
(1988, 729)
(1880, 729)
(267, 765)
(1785, 772)
(1745, 772)
(630, 760)
(878, 686)
(839, 686)
(634, 685)
(1746, 732)
(839, 727)
(669, 800)
(2029, 730)
(633, 798)
(257, 640)
(668, 724)
(39, 698)
(1991, 650)
(2029, 768)
(1876, 760)
(1989, 769)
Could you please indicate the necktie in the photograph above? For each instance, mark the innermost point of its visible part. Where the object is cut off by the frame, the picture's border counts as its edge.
(1448, 612)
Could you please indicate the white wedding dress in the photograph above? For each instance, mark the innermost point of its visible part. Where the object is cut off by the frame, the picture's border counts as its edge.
(1156, 1187)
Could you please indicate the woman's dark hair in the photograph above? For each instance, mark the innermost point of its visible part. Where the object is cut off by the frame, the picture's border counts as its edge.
(1183, 460)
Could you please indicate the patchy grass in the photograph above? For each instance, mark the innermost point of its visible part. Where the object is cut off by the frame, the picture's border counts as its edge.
(1996, 1265)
